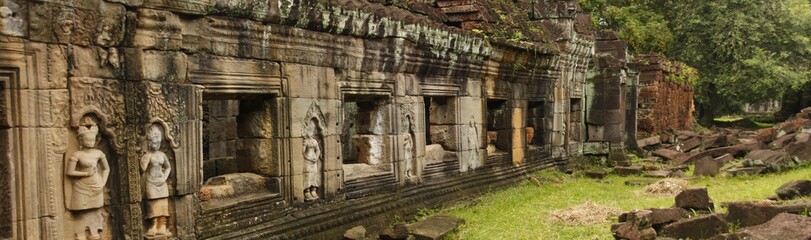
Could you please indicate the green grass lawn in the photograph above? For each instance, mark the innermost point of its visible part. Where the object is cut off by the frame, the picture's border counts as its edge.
(522, 212)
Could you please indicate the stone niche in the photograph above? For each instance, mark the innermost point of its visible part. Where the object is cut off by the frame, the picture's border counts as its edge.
(366, 135)
(238, 149)
(443, 130)
(499, 127)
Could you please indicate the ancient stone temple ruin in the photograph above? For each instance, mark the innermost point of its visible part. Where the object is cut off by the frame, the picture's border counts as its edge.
(213, 119)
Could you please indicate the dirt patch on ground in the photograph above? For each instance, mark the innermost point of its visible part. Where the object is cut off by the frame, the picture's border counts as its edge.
(666, 187)
(585, 213)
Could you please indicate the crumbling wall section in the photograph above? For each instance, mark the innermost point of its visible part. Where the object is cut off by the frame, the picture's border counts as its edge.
(665, 95)
(606, 95)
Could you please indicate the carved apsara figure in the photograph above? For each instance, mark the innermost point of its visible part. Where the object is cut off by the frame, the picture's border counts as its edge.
(312, 156)
(408, 155)
(473, 141)
(88, 171)
(408, 148)
(156, 168)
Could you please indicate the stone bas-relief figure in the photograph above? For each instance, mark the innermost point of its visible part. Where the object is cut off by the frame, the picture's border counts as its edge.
(312, 156)
(473, 141)
(87, 171)
(156, 168)
(408, 147)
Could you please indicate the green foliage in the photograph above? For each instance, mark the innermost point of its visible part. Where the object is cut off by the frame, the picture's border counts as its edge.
(745, 51)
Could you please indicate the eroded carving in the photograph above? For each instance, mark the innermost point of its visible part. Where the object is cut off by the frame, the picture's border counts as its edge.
(313, 154)
(10, 22)
(155, 167)
(473, 141)
(312, 157)
(87, 172)
(408, 148)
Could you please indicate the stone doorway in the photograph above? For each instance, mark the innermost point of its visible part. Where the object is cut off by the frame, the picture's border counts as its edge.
(5, 167)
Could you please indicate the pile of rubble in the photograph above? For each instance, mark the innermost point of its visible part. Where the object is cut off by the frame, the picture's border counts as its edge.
(694, 217)
(734, 151)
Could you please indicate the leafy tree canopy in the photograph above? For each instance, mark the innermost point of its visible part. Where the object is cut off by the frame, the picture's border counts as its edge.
(746, 51)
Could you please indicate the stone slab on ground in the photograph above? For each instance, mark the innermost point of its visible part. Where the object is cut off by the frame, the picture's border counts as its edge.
(626, 171)
(639, 182)
(435, 227)
(707, 167)
(646, 142)
(658, 174)
(398, 232)
(597, 173)
(782, 226)
(355, 233)
(717, 152)
(695, 199)
(635, 226)
(666, 153)
(701, 227)
(794, 189)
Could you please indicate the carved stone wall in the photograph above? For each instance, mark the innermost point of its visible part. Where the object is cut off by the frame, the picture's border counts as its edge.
(251, 99)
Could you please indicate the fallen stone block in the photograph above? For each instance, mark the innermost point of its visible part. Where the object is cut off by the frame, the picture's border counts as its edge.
(398, 232)
(635, 226)
(626, 171)
(794, 189)
(782, 141)
(685, 134)
(747, 214)
(782, 226)
(658, 174)
(766, 134)
(435, 227)
(639, 182)
(724, 159)
(707, 167)
(678, 174)
(701, 227)
(666, 153)
(355, 233)
(801, 147)
(735, 150)
(695, 199)
(689, 144)
(714, 141)
(661, 216)
(774, 161)
(434, 153)
(647, 142)
(597, 173)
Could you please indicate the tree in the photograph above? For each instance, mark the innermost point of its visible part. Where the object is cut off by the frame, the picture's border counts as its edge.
(746, 51)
